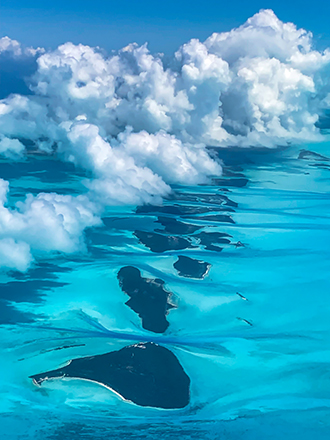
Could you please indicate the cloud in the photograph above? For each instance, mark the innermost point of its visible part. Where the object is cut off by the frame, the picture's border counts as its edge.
(47, 222)
(11, 46)
(139, 124)
(117, 178)
(15, 255)
(168, 157)
(276, 78)
(146, 164)
(10, 147)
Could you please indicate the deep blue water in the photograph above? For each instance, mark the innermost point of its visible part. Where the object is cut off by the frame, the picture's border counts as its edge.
(252, 335)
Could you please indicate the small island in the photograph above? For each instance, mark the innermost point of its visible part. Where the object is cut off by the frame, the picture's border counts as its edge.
(191, 268)
(148, 298)
(145, 374)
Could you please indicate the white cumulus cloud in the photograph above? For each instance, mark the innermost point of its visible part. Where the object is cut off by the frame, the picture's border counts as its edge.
(47, 222)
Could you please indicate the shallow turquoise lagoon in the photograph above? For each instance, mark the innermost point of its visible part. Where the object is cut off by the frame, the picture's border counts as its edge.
(253, 335)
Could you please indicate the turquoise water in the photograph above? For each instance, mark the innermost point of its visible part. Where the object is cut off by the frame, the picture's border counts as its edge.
(259, 362)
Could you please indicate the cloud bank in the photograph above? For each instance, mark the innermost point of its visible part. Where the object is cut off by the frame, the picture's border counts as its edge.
(138, 123)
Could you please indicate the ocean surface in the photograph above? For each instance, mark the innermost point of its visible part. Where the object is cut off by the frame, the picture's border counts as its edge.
(245, 261)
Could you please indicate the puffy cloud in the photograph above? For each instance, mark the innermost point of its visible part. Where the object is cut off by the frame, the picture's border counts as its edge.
(22, 117)
(11, 46)
(117, 178)
(14, 48)
(276, 77)
(15, 255)
(137, 167)
(10, 147)
(273, 104)
(47, 222)
(262, 36)
(173, 160)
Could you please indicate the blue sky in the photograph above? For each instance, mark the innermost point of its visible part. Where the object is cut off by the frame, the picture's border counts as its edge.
(165, 25)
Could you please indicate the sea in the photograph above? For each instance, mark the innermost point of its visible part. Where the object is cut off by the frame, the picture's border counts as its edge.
(244, 262)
